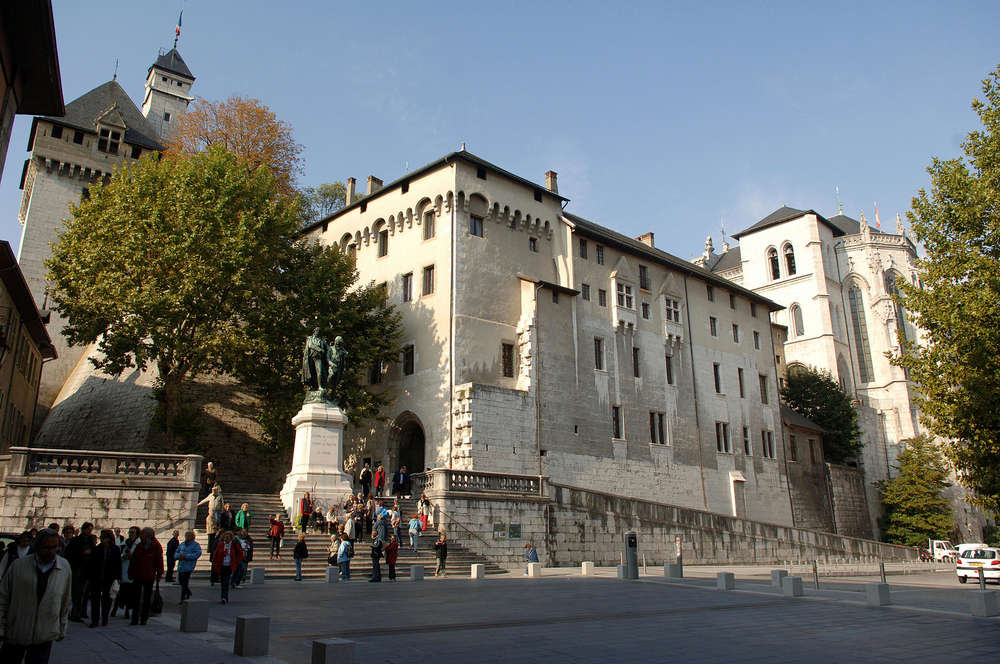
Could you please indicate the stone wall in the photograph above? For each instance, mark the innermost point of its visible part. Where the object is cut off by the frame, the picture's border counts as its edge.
(107, 489)
(850, 502)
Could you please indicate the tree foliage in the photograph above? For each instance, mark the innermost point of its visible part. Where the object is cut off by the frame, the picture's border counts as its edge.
(323, 200)
(246, 128)
(957, 368)
(815, 395)
(915, 508)
(176, 263)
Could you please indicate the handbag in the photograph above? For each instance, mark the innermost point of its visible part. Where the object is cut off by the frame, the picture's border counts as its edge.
(156, 606)
(115, 589)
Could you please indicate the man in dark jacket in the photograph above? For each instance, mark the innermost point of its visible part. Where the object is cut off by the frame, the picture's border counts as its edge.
(172, 545)
(400, 481)
(145, 566)
(104, 566)
(78, 552)
(366, 480)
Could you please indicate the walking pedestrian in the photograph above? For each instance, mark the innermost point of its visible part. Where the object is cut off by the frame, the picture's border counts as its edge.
(102, 571)
(209, 478)
(246, 543)
(228, 554)
(244, 518)
(34, 602)
(300, 553)
(441, 552)
(391, 553)
(366, 479)
(145, 567)
(377, 546)
(399, 481)
(395, 521)
(344, 554)
(125, 599)
(380, 480)
(78, 552)
(172, 545)
(276, 532)
(226, 517)
(187, 555)
(414, 527)
(19, 548)
(530, 556)
(424, 510)
(305, 511)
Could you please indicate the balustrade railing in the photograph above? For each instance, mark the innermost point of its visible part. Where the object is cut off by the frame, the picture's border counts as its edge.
(446, 479)
(57, 463)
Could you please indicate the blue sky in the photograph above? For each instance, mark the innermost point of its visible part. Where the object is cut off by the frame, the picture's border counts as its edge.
(670, 117)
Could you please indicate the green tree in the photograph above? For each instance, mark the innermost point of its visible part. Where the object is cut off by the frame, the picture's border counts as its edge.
(957, 365)
(171, 263)
(915, 509)
(815, 395)
(320, 201)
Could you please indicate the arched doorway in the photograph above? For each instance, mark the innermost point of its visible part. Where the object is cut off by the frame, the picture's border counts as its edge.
(406, 443)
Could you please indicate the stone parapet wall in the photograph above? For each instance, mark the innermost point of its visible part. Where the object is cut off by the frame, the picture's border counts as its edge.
(108, 489)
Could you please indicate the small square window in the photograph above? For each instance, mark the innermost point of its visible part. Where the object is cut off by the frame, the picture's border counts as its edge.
(166, 116)
(475, 226)
(78, 137)
(57, 131)
(645, 310)
(538, 195)
(405, 187)
(136, 151)
(408, 360)
(481, 172)
(533, 244)
(585, 292)
(602, 297)
(600, 254)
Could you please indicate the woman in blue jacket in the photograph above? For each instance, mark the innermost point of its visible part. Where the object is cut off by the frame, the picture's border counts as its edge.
(186, 556)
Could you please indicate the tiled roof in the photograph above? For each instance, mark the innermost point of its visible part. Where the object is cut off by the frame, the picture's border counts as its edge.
(783, 214)
(792, 418)
(83, 112)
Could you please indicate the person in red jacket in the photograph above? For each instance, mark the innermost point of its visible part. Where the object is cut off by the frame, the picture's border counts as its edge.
(391, 553)
(145, 566)
(305, 511)
(380, 480)
(276, 532)
(228, 555)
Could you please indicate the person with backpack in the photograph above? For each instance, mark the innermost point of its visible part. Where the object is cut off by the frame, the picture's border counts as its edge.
(415, 526)
(300, 553)
(344, 554)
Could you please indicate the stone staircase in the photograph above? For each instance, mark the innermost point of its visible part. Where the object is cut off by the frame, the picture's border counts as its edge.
(460, 560)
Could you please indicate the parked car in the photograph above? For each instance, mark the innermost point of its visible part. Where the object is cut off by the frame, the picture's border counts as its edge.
(973, 560)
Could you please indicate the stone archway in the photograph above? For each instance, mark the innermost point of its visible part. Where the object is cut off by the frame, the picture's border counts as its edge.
(407, 444)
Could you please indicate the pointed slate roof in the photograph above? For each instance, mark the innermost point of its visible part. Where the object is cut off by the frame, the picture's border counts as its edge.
(173, 62)
(847, 224)
(84, 111)
(729, 260)
(783, 214)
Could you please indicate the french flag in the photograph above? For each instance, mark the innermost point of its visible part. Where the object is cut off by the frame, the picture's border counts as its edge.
(179, 21)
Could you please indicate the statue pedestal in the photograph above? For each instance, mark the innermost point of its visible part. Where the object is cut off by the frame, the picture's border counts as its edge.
(318, 460)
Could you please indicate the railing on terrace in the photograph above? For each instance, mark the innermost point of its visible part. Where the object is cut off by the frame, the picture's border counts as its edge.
(446, 479)
(28, 462)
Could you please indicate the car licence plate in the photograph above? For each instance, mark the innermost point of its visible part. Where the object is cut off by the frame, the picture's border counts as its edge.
(975, 564)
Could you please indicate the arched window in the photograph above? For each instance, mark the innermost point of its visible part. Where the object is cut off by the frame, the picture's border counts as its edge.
(860, 326)
(772, 263)
(892, 289)
(798, 325)
(789, 259)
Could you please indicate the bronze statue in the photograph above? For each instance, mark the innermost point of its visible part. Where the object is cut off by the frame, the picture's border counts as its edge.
(323, 368)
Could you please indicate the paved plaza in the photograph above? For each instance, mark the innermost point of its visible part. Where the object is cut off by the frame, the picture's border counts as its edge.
(566, 618)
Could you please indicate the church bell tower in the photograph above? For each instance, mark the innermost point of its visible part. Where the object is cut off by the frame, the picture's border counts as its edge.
(168, 91)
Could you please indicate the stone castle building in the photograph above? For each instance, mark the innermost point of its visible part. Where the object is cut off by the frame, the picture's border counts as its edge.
(100, 131)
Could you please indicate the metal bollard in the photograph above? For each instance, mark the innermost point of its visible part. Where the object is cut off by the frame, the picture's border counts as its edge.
(881, 571)
(816, 574)
(982, 580)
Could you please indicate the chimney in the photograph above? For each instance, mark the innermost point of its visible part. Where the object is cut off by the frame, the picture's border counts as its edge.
(550, 182)
(349, 196)
(646, 238)
(374, 184)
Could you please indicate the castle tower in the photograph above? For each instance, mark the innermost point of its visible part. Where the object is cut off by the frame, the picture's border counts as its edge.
(168, 91)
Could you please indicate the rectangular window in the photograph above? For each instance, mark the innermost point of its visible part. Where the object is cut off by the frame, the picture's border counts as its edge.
(428, 280)
(670, 369)
(793, 451)
(78, 137)
(136, 152)
(763, 388)
(602, 297)
(722, 438)
(718, 378)
(661, 429)
(475, 226)
(429, 221)
(583, 249)
(710, 292)
(538, 195)
(625, 296)
(736, 333)
(408, 360)
(600, 254)
(56, 131)
(739, 379)
(746, 442)
(635, 362)
(599, 353)
(652, 427)
(481, 172)
(585, 292)
(555, 296)
(713, 326)
(732, 302)
(383, 242)
(617, 425)
(673, 309)
(812, 453)
(404, 187)
(507, 359)
(533, 244)
(756, 340)
(166, 117)
(107, 141)
(753, 309)
(408, 287)
(657, 428)
(767, 443)
(645, 310)
(643, 277)
(375, 373)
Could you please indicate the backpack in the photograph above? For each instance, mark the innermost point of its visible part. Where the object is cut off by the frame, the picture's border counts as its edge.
(350, 549)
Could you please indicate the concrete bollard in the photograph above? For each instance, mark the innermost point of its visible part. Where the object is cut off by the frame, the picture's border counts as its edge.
(334, 651)
(621, 572)
(416, 572)
(252, 635)
(587, 569)
(478, 571)
(877, 594)
(257, 575)
(791, 586)
(777, 576)
(725, 581)
(194, 615)
(984, 603)
(534, 570)
(332, 574)
(673, 570)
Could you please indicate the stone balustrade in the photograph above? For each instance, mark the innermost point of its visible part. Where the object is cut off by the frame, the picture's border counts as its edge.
(106, 488)
(447, 480)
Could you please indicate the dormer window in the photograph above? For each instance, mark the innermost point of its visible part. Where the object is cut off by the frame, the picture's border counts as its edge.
(108, 140)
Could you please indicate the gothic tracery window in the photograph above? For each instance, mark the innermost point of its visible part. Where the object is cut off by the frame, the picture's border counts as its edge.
(860, 327)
